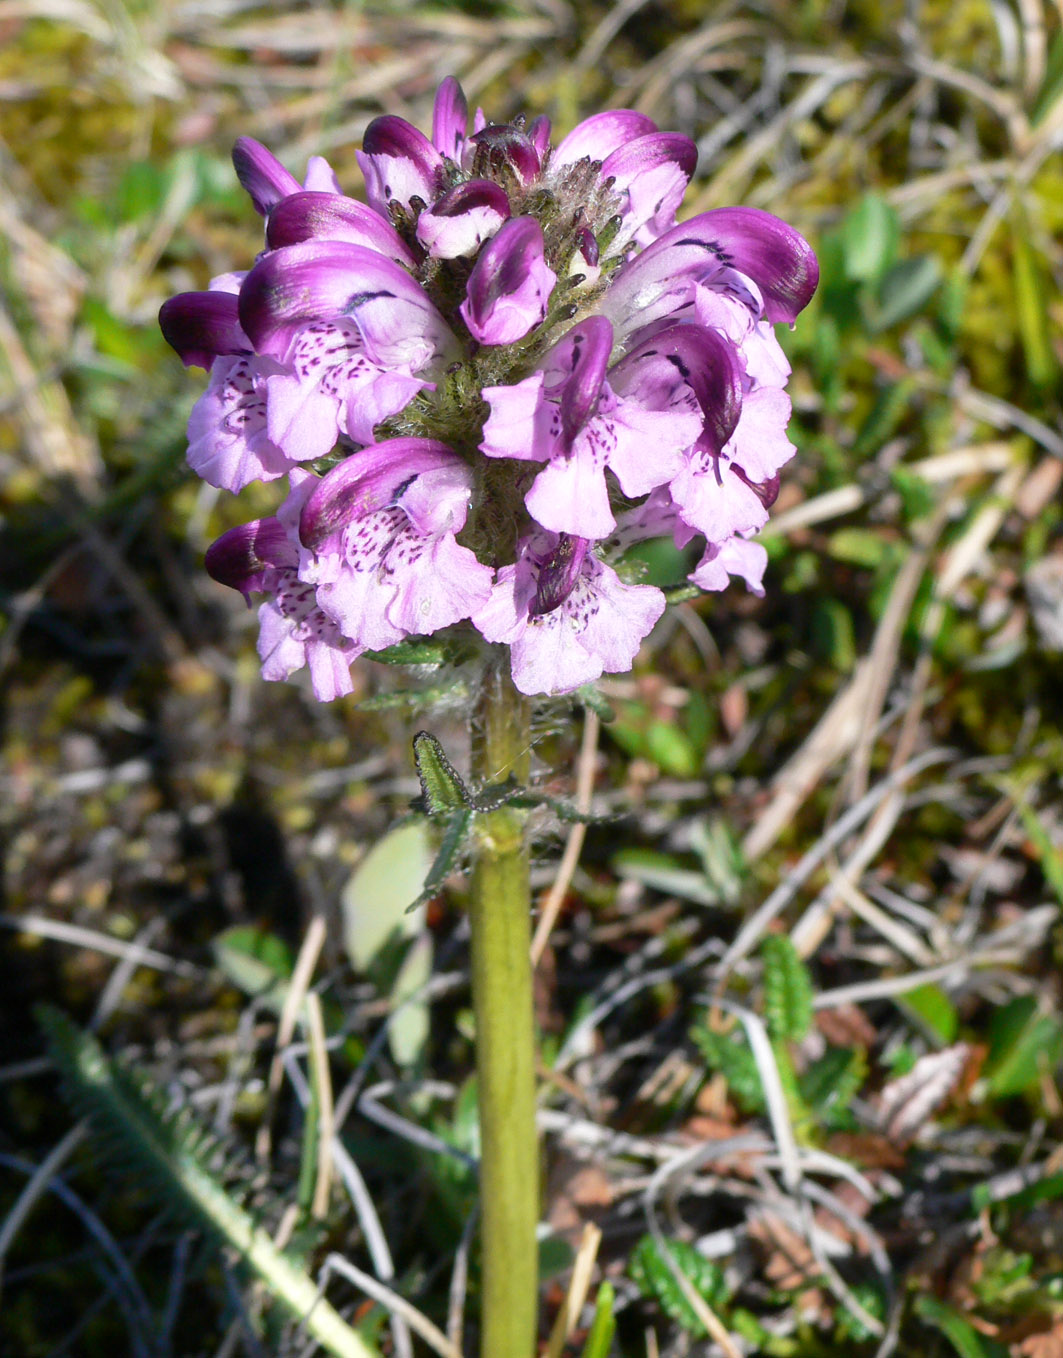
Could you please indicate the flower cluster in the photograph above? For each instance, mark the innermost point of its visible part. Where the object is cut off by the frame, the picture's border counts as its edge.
(485, 385)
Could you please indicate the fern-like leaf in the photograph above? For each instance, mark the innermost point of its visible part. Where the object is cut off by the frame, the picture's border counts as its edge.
(787, 990)
(173, 1154)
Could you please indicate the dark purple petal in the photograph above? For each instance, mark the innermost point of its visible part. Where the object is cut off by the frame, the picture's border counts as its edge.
(558, 575)
(767, 491)
(601, 134)
(510, 284)
(584, 352)
(500, 146)
(588, 246)
(706, 361)
(262, 174)
(539, 135)
(324, 280)
(775, 256)
(332, 216)
(449, 118)
(368, 481)
(202, 325)
(398, 161)
(246, 558)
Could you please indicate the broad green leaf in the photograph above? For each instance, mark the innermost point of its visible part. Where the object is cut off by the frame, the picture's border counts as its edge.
(787, 989)
(905, 290)
(410, 1023)
(860, 546)
(655, 1279)
(871, 233)
(387, 880)
(1024, 1044)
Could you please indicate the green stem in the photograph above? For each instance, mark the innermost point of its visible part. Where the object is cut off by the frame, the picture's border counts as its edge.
(500, 918)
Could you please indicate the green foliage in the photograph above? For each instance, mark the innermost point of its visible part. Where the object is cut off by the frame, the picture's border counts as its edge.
(603, 1326)
(960, 1333)
(170, 1152)
(787, 990)
(848, 1326)
(730, 1054)
(442, 790)
(1025, 1045)
(830, 1084)
(932, 1009)
(656, 1280)
(675, 742)
(256, 961)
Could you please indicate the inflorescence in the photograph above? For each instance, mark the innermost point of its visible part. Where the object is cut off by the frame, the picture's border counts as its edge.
(486, 385)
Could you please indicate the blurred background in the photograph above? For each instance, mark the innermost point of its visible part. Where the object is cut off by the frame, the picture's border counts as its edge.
(867, 760)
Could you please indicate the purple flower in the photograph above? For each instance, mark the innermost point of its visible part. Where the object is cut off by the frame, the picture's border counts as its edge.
(570, 417)
(487, 382)
(597, 626)
(510, 284)
(294, 632)
(381, 529)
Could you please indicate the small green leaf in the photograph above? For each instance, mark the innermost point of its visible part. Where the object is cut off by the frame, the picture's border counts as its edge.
(1031, 291)
(1049, 855)
(663, 872)
(787, 989)
(905, 290)
(603, 1326)
(655, 1279)
(830, 1084)
(422, 652)
(442, 788)
(933, 1010)
(255, 960)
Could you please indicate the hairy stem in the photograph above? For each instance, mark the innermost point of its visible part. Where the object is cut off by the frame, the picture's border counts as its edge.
(500, 917)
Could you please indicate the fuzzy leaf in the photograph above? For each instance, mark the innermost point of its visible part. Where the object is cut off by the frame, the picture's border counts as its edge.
(656, 1280)
(442, 788)
(830, 1084)
(730, 1054)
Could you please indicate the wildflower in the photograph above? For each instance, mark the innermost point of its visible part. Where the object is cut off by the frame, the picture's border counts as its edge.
(484, 384)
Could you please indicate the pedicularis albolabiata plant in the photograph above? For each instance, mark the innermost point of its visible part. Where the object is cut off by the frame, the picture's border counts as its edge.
(481, 388)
